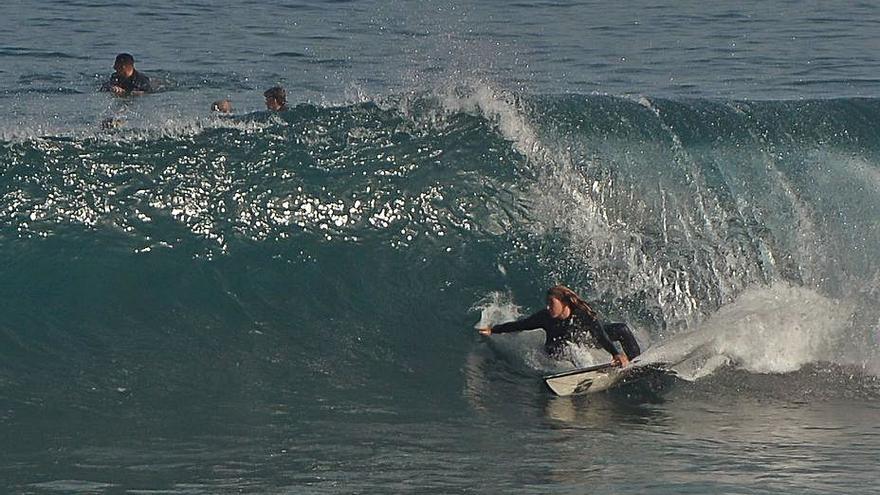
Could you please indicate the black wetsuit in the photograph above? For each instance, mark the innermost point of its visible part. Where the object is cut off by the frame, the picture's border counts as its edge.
(137, 82)
(576, 329)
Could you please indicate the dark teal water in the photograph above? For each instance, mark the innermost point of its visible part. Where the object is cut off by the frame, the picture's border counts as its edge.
(285, 303)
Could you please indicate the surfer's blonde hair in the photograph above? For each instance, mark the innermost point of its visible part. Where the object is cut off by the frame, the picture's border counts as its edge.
(571, 299)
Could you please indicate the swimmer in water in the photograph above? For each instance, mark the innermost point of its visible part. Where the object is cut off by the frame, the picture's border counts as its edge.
(127, 81)
(276, 99)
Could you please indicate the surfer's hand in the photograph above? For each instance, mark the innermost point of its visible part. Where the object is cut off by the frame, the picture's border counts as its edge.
(485, 330)
(620, 360)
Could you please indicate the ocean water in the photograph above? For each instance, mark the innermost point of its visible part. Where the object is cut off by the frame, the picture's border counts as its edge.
(286, 303)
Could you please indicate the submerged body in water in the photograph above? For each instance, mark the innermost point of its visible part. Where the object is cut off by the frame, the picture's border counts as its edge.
(126, 80)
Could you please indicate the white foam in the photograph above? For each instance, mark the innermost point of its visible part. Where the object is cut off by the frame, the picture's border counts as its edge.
(500, 107)
(775, 329)
(495, 308)
(523, 349)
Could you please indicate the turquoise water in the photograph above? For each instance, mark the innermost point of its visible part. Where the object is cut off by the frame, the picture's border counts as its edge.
(285, 303)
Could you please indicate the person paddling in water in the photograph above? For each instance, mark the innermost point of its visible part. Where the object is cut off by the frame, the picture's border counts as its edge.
(568, 318)
(127, 81)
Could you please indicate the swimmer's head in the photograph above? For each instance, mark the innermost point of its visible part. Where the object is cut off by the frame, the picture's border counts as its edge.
(124, 64)
(276, 98)
(222, 106)
(560, 296)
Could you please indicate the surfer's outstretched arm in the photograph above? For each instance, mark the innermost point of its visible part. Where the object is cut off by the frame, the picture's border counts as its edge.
(537, 320)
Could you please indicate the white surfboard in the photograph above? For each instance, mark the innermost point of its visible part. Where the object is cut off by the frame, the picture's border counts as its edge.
(601, 377)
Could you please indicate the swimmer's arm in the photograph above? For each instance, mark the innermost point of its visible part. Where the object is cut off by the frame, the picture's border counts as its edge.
(598, 332)
(110, 87)
(537, 320)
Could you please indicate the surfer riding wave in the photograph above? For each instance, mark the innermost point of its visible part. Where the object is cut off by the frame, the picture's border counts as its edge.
(567, 318)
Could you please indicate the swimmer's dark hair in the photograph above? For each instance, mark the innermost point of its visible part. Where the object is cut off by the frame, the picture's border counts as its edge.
(571, 299)
(125, 59)
(276, 92)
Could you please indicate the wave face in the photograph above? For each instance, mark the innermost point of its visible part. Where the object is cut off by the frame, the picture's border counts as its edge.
(331, 251)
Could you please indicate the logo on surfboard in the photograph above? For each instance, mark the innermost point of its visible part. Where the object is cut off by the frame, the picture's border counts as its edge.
(583, 386)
